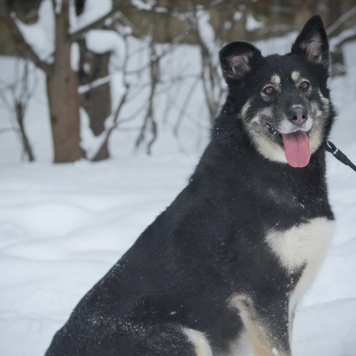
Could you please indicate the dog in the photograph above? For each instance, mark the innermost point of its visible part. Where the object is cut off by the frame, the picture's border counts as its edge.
(221, 270)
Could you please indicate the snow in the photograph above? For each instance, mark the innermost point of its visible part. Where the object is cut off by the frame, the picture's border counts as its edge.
(144, 5)
(75, 56)
(63, 226)
(252, 24)
(238, 16)
(102, 41)
(93, 9)
(205, 29)
(40, 36)
(37, 110)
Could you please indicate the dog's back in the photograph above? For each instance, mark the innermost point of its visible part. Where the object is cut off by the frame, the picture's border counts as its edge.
(235, 251)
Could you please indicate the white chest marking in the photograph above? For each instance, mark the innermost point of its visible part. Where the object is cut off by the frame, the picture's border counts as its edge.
(302, 244)
(307, 245)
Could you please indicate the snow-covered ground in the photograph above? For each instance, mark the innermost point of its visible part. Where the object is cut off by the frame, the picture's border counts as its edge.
(63, 226)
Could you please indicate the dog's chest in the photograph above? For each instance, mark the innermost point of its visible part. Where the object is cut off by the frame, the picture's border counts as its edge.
(303, 246)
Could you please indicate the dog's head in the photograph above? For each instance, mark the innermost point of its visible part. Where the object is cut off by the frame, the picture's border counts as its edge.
(282, 101)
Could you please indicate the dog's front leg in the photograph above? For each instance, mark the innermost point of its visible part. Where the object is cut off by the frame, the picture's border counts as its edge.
(267, 326)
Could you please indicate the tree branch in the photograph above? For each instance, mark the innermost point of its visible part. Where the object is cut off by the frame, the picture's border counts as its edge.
(24, 48)
(155, 76)
(341, 20)
(115, 116)
(74, 36)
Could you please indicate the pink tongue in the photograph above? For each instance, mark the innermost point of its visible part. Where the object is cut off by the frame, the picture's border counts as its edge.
(297, 150)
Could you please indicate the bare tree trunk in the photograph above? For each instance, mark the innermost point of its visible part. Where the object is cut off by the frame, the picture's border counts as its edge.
(62, 90)
(209, 72)
(97, 100)
(62, 82)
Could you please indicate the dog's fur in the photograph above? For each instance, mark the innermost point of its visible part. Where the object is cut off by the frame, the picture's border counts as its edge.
(229, 259)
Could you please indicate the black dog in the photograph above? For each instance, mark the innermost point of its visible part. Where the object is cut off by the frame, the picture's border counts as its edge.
(228, 260)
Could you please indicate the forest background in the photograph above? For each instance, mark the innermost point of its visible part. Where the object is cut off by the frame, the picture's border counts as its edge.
(119, 73)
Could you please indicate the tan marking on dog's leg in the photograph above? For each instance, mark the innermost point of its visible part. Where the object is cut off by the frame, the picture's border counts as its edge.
(199, 341)
(302, 245)
(258, 334)
(241, 346)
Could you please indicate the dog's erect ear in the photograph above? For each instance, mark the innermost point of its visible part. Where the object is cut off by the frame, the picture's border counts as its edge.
(236, 60)
(313, 42)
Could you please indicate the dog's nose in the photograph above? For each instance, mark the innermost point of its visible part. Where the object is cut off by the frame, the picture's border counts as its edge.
(297, 115)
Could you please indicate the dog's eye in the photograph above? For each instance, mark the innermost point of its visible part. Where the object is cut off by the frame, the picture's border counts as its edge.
(269, 90)
(304, 85)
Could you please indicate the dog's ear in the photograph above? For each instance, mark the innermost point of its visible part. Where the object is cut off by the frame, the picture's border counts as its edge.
(313, 42)
(236, 59)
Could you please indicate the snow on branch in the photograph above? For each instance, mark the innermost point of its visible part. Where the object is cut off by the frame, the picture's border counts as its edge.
(25, 49)
(89, 20)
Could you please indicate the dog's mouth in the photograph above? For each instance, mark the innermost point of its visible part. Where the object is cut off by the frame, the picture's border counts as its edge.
(296, 146)
(275, 133)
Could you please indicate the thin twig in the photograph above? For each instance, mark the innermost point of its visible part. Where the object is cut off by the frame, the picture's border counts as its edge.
(340, 21)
